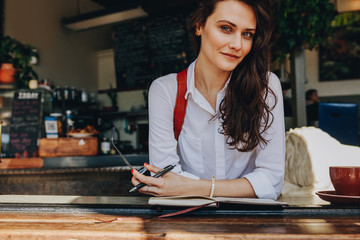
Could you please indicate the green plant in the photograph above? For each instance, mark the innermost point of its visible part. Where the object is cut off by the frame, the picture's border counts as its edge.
(20, 55)
(301, 24)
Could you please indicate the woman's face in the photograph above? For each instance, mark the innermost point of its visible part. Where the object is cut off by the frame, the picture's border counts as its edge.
(227, 35)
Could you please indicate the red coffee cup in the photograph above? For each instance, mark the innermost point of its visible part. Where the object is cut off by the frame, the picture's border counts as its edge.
(346, 180)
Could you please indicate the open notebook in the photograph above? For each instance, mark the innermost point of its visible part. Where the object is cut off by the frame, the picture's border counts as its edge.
(190, 201)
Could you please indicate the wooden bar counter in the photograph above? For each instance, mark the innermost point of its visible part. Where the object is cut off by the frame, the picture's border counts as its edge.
(77, 217)
(82, 211)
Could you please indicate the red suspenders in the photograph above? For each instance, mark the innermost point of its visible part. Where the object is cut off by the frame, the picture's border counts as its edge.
(180, 104)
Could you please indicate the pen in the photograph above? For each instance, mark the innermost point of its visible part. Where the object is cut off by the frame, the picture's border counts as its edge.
(157, 175)
(141, 170)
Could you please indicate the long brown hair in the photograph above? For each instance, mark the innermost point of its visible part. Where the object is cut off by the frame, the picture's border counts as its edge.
(244, 112)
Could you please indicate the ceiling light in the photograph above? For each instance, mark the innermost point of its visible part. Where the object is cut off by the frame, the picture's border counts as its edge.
(102, 18)
(347, 5)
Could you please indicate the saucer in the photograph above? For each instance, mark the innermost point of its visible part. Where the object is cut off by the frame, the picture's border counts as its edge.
(80, 135)
(332, 197)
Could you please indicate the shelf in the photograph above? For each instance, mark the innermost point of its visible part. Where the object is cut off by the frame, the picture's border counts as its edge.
(137, 113)
(6, 87)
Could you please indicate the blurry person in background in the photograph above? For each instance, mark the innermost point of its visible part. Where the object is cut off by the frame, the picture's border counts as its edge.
(287, 100)
(312, 107)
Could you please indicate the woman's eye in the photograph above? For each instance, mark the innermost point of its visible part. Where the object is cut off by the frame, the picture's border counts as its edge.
(226, 28)
(248, 35)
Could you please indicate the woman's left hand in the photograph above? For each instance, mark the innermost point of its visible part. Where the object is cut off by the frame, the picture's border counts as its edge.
(170, 184)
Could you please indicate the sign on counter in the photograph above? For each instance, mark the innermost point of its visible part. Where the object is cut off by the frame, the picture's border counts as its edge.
(25, 124)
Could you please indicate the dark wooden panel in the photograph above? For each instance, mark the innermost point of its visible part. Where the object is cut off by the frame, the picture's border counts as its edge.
(111, 181)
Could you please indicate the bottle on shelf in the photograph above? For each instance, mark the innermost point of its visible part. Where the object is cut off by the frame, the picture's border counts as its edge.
(69, 121)
(105, 146)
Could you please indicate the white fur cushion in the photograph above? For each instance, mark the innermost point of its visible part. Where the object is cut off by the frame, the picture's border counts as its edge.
(309, 154)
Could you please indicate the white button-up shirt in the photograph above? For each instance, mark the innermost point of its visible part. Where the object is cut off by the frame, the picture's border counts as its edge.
(202, 151)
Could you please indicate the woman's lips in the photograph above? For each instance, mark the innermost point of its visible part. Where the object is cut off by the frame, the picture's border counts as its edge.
(231, 56)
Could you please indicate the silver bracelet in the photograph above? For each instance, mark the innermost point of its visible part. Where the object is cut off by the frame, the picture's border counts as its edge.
(212, 186)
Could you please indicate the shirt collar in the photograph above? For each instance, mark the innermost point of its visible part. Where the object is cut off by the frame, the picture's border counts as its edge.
(191, 84)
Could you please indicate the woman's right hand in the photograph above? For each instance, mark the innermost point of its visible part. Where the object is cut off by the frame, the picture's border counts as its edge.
(170, 184)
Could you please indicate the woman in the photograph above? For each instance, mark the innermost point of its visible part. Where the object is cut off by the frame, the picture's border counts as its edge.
(234, 126)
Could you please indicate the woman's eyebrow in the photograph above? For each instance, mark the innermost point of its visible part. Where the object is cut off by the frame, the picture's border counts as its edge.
(234, 25)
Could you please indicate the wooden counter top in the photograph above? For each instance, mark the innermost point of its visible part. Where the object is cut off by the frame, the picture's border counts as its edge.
(113, 220)
(25, 225)
(73, 161)
(21, 163)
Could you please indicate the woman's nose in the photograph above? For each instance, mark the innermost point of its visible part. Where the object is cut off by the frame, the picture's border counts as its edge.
(236, 42)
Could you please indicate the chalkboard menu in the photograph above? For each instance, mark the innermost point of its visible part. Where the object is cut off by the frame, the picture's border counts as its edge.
(167, 39)
(150, 48)
(131, 56)
(25, 124)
